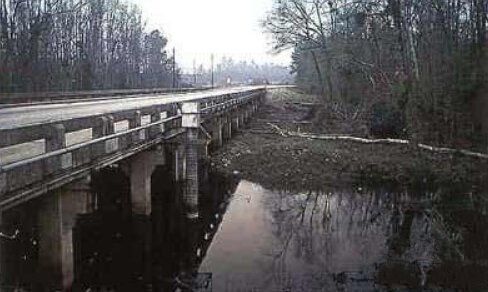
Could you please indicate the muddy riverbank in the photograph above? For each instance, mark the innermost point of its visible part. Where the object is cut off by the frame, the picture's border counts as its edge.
(262, 155)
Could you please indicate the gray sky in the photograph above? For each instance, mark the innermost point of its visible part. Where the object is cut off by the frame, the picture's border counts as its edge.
(198, 28)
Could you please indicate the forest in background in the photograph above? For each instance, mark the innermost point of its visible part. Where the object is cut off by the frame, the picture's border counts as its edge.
(410, 68)
(61, 45)
(231, 72)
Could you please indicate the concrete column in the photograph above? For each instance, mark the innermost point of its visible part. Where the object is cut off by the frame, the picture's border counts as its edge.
(217, 134)
(141, 168)
(191, 121)
(227, 128)
(241, 118)
(234, 122)
(179, 163)
(190, 195)
(57, 215)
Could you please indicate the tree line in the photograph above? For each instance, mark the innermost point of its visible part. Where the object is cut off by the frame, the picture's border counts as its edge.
(422, 63)
(58, 45)
(230, 72)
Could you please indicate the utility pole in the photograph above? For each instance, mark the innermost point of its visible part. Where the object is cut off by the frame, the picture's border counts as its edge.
(174, 67)
(194, 72)
(212, 61)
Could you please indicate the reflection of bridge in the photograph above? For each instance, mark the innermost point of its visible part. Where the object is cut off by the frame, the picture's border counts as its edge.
(47, 152)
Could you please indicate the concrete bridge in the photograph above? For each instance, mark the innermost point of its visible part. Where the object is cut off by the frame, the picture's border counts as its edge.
(49, 153)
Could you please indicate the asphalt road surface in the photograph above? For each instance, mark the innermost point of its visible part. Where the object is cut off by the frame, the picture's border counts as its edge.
(17, 117)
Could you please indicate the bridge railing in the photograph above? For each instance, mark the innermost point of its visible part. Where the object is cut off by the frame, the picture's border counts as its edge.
(57, 152)
(100, 151)
(230, 102)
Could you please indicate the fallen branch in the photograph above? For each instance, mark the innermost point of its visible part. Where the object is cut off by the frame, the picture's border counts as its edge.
(11, 237)
(376, 141)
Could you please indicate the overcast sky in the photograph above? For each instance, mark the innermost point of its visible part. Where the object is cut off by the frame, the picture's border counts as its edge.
(198, 28)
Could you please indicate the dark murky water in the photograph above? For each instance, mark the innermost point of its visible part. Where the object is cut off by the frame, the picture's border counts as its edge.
(251, 239)
(350, 241)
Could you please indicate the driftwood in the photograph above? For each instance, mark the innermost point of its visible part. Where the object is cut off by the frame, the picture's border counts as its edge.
(468, 153)
(303, 104)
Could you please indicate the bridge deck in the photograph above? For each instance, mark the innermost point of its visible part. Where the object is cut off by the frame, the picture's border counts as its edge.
(45, 146)
(23, 116)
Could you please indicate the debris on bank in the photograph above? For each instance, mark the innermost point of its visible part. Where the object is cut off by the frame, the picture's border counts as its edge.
(291, 160)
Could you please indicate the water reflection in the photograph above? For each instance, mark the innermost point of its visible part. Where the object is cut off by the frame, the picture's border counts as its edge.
(350, 240)
(251, 239)
(157, 253)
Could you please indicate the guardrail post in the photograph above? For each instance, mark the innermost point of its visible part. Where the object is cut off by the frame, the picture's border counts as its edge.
(155, 116)
(104, 127)
(135, 122)
(191, 122)
(56, 140)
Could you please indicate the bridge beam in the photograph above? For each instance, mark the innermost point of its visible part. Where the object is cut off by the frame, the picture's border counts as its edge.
(56, 219)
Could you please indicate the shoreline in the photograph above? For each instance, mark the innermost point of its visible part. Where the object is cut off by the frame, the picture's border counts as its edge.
(276, 161)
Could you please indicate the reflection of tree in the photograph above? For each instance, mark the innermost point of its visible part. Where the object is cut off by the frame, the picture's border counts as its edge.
(438, 238)
(164, 250)
(304, 224)
(460, 224)
(344, 235)
(192, 238)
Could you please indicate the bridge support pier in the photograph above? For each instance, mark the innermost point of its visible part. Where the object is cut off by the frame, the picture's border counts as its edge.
(140, 170)
(190, 193)
(241, 118)
(191, 121)
(217, 134)
(247, 114)
(235, 122)
(56, 219)
(227, 128)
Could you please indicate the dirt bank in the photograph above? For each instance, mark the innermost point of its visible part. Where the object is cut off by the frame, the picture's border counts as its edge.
(261, 155)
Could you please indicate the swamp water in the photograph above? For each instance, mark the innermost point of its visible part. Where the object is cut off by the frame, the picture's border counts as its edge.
(249, 238)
